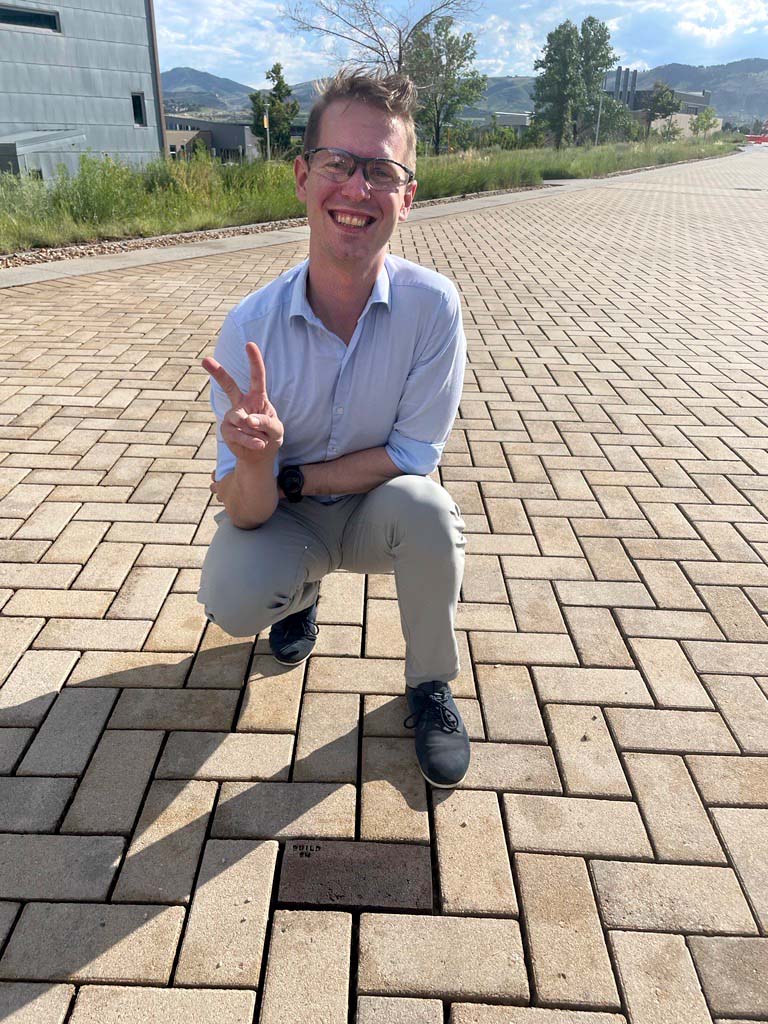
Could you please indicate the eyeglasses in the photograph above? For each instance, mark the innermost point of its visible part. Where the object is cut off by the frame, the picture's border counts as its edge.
(338, 165)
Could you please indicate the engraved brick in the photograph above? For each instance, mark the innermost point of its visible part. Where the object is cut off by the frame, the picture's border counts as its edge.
(356, 874)
(568, 955)
(227, 926)
(475, 876)
(93, 942)
(307, 978)
(558, 824)
(671, 898)
(285, 810)
(441, 957)
(162, 858)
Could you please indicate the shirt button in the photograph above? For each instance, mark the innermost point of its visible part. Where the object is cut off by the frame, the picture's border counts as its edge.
(339, 410)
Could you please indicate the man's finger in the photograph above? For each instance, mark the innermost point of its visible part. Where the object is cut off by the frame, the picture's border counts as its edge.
(258, 373)
(223, 379)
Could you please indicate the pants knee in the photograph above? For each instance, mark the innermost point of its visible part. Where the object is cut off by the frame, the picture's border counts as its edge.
(425, 514)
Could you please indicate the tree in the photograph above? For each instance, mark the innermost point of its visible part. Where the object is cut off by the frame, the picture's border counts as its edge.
(670, 131)
(662, 103)
(372, 32)
(282, 111)
(597, 57)
(704, 121)
(616, 123)
(558, 92)
(439, 60)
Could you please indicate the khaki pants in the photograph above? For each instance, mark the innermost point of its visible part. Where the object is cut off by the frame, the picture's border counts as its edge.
(410, 526)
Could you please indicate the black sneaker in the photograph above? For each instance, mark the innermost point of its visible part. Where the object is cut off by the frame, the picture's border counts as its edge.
(442, 743)
(292, 639)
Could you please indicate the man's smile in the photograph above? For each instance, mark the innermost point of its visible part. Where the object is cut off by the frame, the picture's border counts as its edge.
(351, 220)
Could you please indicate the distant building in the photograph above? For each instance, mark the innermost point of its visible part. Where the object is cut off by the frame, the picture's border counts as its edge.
(624, 90)
(510, 119)
(78, 76)
(228, 142)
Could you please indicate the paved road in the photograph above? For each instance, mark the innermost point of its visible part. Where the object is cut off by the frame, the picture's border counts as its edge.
(179, 846)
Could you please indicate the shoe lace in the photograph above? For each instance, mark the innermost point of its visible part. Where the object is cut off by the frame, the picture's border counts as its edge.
(432, 708)
(301, 629)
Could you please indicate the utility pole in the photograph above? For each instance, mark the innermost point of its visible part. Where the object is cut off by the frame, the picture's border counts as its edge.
(266, 126)
(600, 110)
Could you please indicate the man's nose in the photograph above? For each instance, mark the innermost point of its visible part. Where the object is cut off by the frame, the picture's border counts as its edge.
(356, 185)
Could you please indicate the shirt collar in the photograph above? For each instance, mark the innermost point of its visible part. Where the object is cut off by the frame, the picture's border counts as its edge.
(381, 294)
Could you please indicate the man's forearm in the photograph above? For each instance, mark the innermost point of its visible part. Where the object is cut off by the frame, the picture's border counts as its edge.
(249, 493)
(356, 473)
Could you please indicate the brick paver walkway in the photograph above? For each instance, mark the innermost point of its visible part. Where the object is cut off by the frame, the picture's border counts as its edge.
(178, 847)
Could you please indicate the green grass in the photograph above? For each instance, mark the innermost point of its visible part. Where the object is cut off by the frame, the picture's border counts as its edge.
(108, 200)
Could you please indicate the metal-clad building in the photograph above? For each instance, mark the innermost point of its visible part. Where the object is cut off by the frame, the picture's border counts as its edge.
(78, 76)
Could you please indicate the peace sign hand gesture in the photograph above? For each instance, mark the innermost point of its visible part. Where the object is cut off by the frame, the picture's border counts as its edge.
(251, 429)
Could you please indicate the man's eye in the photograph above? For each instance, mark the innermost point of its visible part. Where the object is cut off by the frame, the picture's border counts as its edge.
(384, 174)
(336, 163)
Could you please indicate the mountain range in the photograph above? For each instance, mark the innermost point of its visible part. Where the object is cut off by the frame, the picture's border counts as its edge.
(739, 91)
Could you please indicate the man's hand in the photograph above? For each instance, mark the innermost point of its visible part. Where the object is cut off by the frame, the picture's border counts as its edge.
(251, 429)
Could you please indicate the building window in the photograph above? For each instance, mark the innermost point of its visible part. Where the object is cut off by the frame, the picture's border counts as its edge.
(139, 108)
(25, 17)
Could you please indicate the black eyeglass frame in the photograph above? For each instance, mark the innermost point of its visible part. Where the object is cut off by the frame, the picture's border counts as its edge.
(362, 161)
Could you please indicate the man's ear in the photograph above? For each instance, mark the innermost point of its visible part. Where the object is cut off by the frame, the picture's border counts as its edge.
(300, 174)
(410, 192)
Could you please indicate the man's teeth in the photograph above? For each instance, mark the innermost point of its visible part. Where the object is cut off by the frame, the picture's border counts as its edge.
(346, 218)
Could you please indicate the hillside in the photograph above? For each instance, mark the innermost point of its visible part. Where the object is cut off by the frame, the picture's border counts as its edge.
(739, 90)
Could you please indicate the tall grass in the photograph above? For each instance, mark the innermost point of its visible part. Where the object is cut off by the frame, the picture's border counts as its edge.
(107, 199)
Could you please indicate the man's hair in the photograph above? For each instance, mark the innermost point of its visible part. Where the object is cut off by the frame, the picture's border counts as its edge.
(394, 94)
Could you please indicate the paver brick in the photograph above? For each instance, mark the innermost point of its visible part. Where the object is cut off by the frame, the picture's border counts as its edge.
(34, 804)
(676, 820)
(512, 712)
(93, 942)
(524, 767)
(585, 751)
(672, 680)
(476, 1013)
(559, 824)
(671, 897)
(745, 834)
(125, 668)
(34, 1002)
(730, 780)
(384, 1010)
(12, 745)
(441, 957)
(272, 697)
(174, 709)
(81, 604)
(670, 731)
(65, 740)
(179, 625)
(356, 874)
(221, 755)
(744, 706)
(142, 594)
(93, 634)
(221, 661)
(227, 925)
(283, 810)
(658, 978)
(591, 685)
(162, 859)
(38, 867)
(16, 635)
(474, 870)
(326, 747)
(733, 973)
(394, 799)
(110, 793)
(308, 968)
(105, 1004)
(569, 958)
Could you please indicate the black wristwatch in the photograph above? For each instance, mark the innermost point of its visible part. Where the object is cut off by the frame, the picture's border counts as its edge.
(290, 479)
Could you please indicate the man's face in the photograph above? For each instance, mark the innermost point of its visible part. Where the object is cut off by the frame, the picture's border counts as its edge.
(364, 131)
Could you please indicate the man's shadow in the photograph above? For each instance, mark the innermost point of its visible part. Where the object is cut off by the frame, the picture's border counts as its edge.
(247, 805)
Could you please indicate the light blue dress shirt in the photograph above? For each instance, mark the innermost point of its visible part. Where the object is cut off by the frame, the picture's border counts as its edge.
(396, 384)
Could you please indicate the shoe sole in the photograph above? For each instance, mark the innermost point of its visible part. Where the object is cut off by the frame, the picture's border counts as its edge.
(291, 664)
(444, 785)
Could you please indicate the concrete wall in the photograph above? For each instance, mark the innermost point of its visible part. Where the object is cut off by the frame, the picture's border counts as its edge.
(82, 78)
(683, 122)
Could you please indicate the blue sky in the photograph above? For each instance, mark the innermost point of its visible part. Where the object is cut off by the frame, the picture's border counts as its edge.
(240, 39)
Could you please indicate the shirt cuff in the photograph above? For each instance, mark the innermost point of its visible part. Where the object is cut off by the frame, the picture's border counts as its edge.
(418, 458)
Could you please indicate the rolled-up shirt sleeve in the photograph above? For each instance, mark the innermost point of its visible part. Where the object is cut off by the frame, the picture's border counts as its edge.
(432, 392)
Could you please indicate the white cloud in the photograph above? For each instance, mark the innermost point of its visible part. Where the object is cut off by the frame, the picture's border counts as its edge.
(714, 22)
